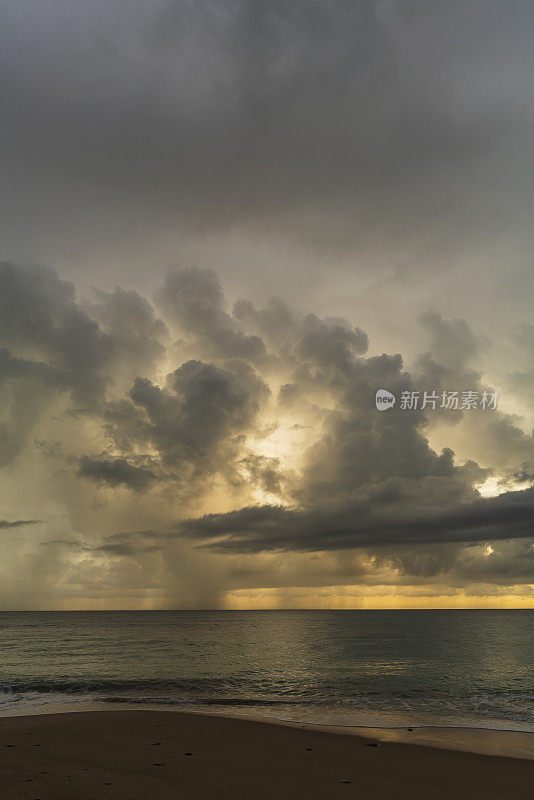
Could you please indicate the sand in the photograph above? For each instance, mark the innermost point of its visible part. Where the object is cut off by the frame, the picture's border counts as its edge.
(148, 755)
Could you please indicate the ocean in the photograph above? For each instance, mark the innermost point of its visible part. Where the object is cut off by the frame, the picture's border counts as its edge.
(368, 668)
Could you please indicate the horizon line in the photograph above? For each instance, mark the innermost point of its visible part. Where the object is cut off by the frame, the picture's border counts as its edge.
(242, 610)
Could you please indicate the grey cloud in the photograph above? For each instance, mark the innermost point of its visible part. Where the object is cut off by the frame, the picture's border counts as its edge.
(49, 449)
(522, 381)
(496, 437)
(366, 480)
(135, 543)
(366, 524)
(266, 473)
(12, 368)
(54, 341)
(18, 523)
(193, 420)
(194, 299)
(510, 562)
(62, 543)
(318, 121)
(138, 336)
(361, 445)
(506, 562)
(58, 348)
(449, 362)
(132, 543)
(325, 342)
(204, 408)
(49, 346)
(331, 342)
(137, 473)
(452, 342)
(39, 314)
(196, 422)
(367, 160)
(277, 323)
(416, 562)
(23, 404)
(125, 549)
(26, 387)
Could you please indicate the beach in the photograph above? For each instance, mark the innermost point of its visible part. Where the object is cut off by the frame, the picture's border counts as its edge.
(159, 755)
(277, 705)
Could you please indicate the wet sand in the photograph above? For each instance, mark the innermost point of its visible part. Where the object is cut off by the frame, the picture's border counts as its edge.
(147, 755)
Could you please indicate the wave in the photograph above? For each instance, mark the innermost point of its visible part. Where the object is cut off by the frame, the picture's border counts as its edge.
(81, 686)
(336, 700)
(206, 701)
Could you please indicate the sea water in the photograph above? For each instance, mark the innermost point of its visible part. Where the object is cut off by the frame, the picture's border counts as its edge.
(369, 668)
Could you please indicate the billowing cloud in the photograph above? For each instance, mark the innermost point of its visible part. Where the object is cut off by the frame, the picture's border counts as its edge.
(250, 451)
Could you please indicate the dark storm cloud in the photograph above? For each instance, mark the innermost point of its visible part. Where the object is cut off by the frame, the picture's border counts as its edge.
(278, 115)
(370, 523)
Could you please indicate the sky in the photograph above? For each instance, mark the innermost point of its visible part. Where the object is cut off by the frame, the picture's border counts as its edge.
(224, 227)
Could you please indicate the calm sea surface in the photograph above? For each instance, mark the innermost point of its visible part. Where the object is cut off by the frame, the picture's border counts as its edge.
(472, 668)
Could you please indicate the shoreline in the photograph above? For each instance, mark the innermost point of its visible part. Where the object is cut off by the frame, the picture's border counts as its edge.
(139, 754)
(470, 739)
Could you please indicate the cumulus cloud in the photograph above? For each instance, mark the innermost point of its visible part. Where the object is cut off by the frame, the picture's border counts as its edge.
(202, 450)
